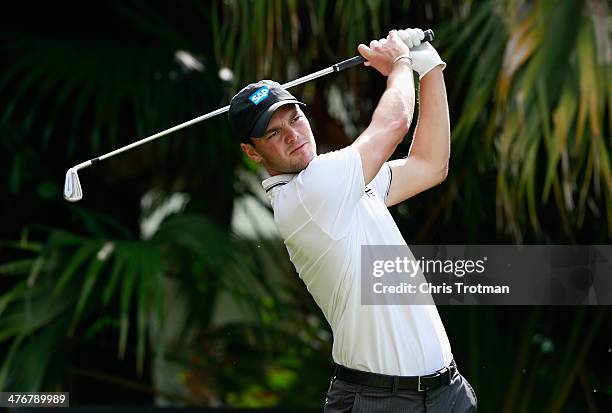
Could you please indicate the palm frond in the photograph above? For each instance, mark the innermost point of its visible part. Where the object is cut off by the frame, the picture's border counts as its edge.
(544, 105)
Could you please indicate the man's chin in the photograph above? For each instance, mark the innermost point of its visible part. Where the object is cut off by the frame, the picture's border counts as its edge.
(297, 167)
(296, 164)
(305, 162)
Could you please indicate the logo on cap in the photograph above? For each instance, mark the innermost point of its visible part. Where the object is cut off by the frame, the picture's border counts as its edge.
(259, 95)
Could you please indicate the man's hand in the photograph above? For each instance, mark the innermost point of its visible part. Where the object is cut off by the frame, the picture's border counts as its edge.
(411, 37)
(381, 54)
(424, 56)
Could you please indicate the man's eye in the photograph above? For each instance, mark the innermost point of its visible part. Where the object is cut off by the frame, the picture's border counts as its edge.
(295, 119)
(272, 134)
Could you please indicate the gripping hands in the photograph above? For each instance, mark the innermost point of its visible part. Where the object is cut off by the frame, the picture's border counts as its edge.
(424, 56)
(382, 53)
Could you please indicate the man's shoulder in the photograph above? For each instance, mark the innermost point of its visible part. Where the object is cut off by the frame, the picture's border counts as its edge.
(283, 194)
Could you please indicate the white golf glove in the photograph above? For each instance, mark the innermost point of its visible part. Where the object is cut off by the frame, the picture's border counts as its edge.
(424, 56)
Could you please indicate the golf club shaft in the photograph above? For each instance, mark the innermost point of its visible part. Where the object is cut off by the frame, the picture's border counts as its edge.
(345, 64)
(153, 137)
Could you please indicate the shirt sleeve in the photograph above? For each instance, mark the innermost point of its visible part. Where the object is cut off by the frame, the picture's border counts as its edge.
(382, 182)
(330, 188)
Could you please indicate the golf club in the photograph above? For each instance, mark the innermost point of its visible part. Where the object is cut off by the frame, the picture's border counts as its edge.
(72, 186)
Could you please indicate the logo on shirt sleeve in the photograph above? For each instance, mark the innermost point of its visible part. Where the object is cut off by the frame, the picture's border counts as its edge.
(369, 192)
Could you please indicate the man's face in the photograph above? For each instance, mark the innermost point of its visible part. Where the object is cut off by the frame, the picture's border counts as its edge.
(288, 144)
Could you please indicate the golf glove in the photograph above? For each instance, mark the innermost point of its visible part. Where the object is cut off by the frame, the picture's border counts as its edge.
(424, 56)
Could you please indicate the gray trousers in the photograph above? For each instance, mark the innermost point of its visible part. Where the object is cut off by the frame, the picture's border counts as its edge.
(457, 397)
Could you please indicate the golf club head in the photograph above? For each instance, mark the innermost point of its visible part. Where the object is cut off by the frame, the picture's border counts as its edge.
(72, 186)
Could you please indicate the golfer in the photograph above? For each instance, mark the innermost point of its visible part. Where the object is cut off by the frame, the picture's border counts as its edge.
(387, 357)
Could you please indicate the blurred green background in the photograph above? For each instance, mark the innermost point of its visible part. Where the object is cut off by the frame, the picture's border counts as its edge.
(168, 285)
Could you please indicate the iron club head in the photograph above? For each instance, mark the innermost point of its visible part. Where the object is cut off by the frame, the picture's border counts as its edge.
(72, 186)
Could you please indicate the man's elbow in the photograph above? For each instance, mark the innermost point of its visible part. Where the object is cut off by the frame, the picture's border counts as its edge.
(442, 173)
(444, 169)
(445, 172)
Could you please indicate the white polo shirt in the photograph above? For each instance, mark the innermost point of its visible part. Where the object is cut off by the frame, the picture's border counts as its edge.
(324, 214)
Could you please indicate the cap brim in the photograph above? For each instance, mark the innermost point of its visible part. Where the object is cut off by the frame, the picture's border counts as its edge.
(262, 123)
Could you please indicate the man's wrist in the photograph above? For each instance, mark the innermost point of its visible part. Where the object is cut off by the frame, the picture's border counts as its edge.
(401, 72)
(401, 65)
(436, 69)
(403, 58)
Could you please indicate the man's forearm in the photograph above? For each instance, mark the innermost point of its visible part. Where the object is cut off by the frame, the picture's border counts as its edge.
(397, 102)
(393, 114)
(432, 135)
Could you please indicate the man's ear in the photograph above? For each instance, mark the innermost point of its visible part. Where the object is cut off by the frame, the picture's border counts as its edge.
(251, 152)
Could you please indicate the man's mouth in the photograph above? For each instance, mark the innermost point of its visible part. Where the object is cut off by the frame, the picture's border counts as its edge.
(298, 148)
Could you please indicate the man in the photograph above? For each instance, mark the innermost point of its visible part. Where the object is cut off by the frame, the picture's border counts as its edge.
(388, 357)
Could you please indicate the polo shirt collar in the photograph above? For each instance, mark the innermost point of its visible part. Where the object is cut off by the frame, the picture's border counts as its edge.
(276, 180)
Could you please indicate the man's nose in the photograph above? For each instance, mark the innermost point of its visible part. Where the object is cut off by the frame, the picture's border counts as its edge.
(290, 135)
